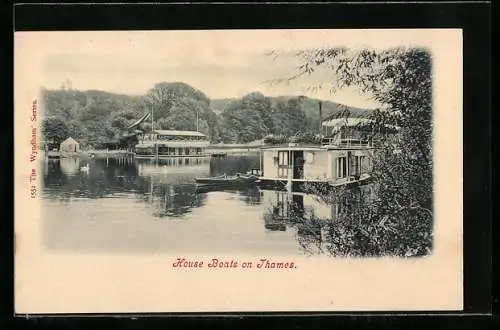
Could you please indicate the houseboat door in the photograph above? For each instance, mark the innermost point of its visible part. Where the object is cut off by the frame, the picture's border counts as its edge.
(298, 164)
(298, 205)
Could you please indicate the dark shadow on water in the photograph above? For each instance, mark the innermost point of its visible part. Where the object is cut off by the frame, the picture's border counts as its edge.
(166, 190)
(168, 185)
(346, 226)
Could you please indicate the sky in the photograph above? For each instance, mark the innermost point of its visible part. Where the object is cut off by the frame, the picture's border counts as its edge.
(222, 64)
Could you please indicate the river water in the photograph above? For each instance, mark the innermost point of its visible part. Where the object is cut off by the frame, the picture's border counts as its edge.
(144, 206)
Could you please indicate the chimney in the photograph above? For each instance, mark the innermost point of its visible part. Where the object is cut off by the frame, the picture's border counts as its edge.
(320, 118)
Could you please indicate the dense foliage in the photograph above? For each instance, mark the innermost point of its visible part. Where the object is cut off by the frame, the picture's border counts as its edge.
(256, 116)
(90, 117)
(398, 218)
(95, 117)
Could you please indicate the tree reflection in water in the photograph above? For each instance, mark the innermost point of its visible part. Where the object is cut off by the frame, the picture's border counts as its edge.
(169, 188)
(64, 179)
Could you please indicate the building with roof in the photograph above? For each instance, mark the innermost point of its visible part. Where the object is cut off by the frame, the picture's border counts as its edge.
(352, 131)
(171, 143)
(69, 146)
(344, 156)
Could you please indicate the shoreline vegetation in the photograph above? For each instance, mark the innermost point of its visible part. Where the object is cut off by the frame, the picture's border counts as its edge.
(215, 149)
(396, 217)
(96, 118)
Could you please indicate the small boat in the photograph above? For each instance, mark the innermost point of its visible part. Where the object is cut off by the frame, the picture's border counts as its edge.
(218, 155)
(206, 188)
(224, 180)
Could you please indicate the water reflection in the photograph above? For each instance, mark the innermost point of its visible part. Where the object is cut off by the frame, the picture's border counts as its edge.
(168, 185)
(65, 179)
(314, 222)
(302, 214)
(128, 204)
(70, 166)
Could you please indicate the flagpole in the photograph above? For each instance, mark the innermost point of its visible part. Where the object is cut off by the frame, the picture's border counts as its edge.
(197, 120)
(152, 122)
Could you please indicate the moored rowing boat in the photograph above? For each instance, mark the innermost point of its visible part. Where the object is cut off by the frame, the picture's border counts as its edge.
(228, 180)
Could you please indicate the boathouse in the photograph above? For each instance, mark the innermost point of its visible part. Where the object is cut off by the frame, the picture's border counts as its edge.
(69, 145)
(161, 143)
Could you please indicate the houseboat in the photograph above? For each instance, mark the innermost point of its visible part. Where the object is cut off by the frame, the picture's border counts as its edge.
(171, 143)
(344, 157)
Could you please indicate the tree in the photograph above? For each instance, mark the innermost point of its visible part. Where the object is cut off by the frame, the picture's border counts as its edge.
(55, 129)
(247, 119)
(398, 219)
(160, 99)
(288, 118)
(146, 127)
(182, 107)
(162, 123)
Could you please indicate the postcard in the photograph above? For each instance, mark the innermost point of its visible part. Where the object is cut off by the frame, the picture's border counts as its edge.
(238, 171)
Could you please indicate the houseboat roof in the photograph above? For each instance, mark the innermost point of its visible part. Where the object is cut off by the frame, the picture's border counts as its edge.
(178, 133)
(316, 148)
(294, 147)
(351, 122)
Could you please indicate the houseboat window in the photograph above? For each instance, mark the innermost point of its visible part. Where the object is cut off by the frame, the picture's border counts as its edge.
(341, 167)
(198, 151)
(363, 164)
(283, 158)
(355, 166)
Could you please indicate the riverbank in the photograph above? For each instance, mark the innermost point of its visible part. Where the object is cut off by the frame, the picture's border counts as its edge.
(88, 154)
(235, 152)
(215, 150)
(232, 149)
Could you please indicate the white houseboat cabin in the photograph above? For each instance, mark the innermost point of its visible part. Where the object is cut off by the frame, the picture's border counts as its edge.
(171, 143)
(345, 155)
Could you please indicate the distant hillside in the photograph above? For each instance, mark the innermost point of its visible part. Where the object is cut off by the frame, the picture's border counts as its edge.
(96, 117)
(281, 110)
(308, 105)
